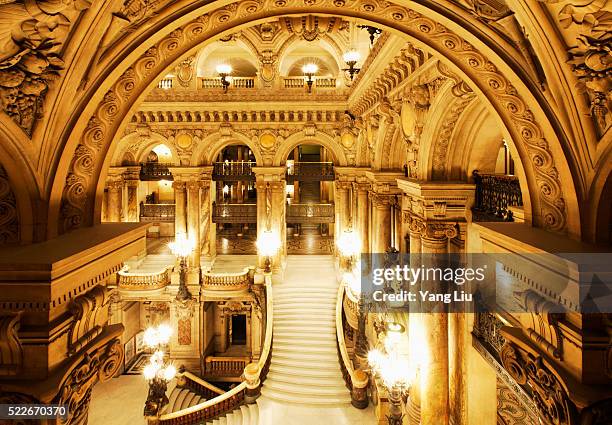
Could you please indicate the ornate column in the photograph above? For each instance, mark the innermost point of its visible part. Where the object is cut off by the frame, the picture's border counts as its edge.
(363, 216)
(208, 233)
(180, 214)
(381, 222)
(115, 190)
(271, 206)
(193, 219)
(435, 373)
(131, 178)
(341, 207)
(415, 331)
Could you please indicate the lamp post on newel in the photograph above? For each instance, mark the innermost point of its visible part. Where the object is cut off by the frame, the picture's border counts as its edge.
(394, 373)
(159, 371)
(182, 248)
(268, 245)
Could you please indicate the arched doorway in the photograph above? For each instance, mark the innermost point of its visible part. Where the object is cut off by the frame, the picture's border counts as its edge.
(235, 202)
(310, 207)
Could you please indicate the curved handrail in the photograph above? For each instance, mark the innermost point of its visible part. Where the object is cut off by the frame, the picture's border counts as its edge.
(203, 383)
(348, 364)
(263, 359)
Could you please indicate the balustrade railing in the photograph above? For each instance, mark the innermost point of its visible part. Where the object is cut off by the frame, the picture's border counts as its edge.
(233, 171)
(325, 83)
(143, 281)
(310, 171)
(294, 82)
(235, 82)
(310, 213)
(224, 367)
(151, 171)
(234, 213)
(157, 212)
(300, 83)
(495, 193)
(356, 380)
(246, 391)
(228, 281)
(165, 83)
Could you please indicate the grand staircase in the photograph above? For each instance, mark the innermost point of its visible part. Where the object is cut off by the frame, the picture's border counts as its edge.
(245, 415)
(305, 367)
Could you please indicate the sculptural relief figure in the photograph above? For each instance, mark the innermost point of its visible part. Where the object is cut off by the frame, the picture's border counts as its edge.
(31, 36)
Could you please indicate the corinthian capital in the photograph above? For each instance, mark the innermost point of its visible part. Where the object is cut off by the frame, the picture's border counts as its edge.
(440, 230)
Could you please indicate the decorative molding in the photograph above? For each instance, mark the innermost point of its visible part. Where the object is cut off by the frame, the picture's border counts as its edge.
(11, 352)
(31, 46)
(90, 312)
(9, 216)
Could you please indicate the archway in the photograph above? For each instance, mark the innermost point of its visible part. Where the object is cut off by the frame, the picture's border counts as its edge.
(510, 92)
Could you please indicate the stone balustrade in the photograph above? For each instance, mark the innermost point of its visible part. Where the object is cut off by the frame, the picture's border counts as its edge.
(223, 366)
(228, 281)
(143, 281)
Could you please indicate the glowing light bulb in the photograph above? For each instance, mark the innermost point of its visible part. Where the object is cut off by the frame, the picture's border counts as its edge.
(352, 56)
(224, 69)
(310, 69)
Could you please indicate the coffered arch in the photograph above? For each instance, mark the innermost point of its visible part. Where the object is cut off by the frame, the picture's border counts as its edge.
(304, 138)
(487, 64)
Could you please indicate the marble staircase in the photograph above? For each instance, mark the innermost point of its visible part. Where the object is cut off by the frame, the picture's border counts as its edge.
(304, 368)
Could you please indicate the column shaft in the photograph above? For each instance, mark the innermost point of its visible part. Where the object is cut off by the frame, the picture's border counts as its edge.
(363, 218)
(180, 216)
(114, 201)
(193, 219)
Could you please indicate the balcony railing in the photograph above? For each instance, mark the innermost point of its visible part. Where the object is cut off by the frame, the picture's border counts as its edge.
(235, 213)
(143, 281)
(151, 171)
(310, 171)
(233, 171)
(228, 281)
(225, 367)
(495, 193)
(235, 82)
(157, 212)
(300, 83)
(310, 213)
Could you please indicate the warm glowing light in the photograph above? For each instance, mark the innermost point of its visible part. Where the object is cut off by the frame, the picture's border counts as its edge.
(169, 372)
(224, 69)
(226, 189)
(349, 244)
(375, 358)
(182, 246)
(162, 151)
(164, 332)
(150, 371)
(352, 56)
(268, 243)
(160, 335)
(310, 69)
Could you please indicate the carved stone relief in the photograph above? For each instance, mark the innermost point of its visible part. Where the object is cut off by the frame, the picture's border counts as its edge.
(30, 53)
(9, 217)
(11, 352)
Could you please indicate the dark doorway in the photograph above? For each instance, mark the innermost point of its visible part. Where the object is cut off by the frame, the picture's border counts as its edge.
(239, 329)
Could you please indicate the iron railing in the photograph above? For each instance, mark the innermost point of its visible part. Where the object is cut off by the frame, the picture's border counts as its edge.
(150, 171)
(495, 193)
(157, 212)
(233, 171)
(234, 213)
(310, 171)
(310, 213)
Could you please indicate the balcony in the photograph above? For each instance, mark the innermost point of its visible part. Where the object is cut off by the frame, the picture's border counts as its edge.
(235, 213)
(310, 213)
(233, 171)
(228, 281)
(495, 194)
(235, 82)
(153, 171)
(157, 212)
(143, 281)
(300, 83)
(310, 171)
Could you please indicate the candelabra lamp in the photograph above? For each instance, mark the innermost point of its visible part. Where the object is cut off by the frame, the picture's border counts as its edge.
(268, 245)
(351, 58)
(393, 372)
(159, 371)
(182, 248)
(224, 71)
(309, 70)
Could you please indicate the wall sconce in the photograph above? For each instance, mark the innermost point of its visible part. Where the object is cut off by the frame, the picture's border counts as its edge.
(309, 70)
(351, 58)
(224, 70)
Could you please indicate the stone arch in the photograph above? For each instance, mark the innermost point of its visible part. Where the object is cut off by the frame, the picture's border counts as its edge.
(597, 221)
(207, 150)
(301, 138)
(475, 53)
(140, 146)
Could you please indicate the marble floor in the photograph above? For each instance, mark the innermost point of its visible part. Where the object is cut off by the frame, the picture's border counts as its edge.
(119, 401)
